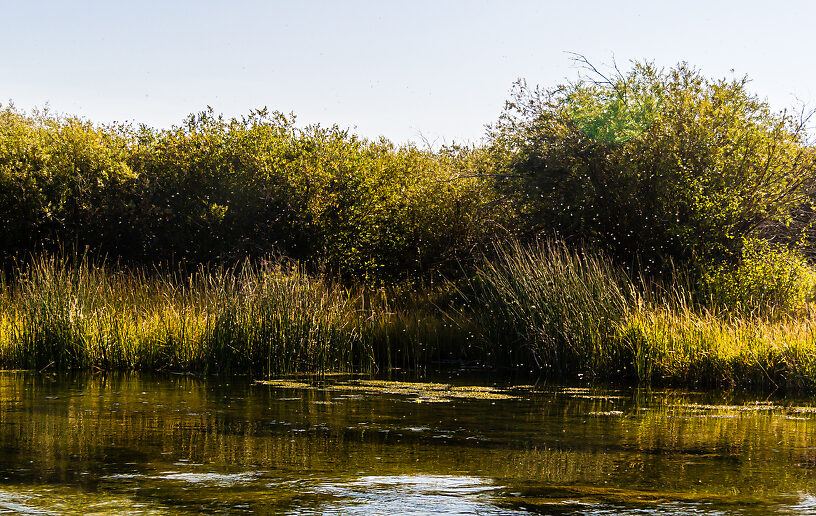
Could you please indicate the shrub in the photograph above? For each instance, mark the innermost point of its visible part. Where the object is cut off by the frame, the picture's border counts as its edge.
(218, 190)
(651, 165)
(768, 279)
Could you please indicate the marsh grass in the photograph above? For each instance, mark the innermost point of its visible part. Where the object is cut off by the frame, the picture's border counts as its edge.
(565, 313)
(259, 319)
(703, 349)
(551, 305)
(575, 314)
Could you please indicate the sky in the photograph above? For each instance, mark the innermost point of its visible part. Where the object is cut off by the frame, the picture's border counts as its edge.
(431, 72)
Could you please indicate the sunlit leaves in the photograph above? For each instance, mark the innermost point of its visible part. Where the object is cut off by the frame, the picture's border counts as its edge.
(217, 189)
(653, 165)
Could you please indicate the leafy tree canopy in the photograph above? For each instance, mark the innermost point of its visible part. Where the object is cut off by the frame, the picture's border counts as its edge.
(652, 164)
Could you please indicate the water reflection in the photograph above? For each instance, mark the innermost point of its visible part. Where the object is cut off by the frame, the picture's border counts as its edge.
(143, 444)
(410, 495)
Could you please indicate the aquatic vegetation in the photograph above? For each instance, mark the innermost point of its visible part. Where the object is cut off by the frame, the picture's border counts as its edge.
(419, 392)
(547, 309)
(551, 305)
(577, 315)
(267, 318)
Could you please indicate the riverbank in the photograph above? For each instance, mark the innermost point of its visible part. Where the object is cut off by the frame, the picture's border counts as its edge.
(568, 316)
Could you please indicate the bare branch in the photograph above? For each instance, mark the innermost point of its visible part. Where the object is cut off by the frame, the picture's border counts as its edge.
(582, 61)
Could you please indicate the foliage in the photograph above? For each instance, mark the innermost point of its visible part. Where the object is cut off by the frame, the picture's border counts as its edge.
(767, 279)
(222, 190)
(652, 165)
(576, 315)
(63, 179)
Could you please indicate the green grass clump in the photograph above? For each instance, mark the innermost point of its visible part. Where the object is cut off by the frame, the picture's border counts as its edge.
(261, 319)
(552, 305)
(279, 318)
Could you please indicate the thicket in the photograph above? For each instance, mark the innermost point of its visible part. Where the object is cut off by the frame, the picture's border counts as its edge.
(658, 168)
(649, 224)
(217, 191)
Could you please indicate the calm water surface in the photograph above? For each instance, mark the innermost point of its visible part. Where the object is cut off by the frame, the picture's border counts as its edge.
(139, 444)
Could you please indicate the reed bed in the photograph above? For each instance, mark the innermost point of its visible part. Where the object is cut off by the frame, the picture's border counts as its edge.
(262, 319)
(567, 314)
(552, 306)
(685, 348)
(577, 315)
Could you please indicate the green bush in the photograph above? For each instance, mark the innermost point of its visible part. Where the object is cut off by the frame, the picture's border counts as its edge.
(653, 166)
(768, 279)
(62, 179)
(217, 190)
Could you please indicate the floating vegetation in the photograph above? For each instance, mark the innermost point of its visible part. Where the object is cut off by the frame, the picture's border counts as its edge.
(285, 384)
(749, 407)
(418, 391)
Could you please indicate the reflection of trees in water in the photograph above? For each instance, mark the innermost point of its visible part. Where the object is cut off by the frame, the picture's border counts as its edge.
(84, 428)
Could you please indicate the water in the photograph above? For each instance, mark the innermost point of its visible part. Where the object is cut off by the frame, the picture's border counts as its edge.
(138, 444)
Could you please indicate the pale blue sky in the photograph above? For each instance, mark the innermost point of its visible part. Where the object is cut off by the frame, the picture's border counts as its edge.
(440, 68)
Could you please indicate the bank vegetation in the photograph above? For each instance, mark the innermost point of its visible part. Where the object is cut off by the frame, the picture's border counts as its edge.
(650, 225)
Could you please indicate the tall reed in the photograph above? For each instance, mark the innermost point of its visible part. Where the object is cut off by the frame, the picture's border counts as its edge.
(575, 313)
(279, 318)
(265, 319)
(552, 305)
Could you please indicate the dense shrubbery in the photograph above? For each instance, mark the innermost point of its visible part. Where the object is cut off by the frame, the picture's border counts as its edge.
(64, 180)
(653, 166)
(643, 179)
(218, 190)
(768, 279)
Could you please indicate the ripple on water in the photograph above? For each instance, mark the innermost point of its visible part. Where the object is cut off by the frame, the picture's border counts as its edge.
(13, 503)
(410, 494)
(211, 479)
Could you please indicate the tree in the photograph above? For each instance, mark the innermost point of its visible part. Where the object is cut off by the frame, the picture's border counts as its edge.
(651, 164)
